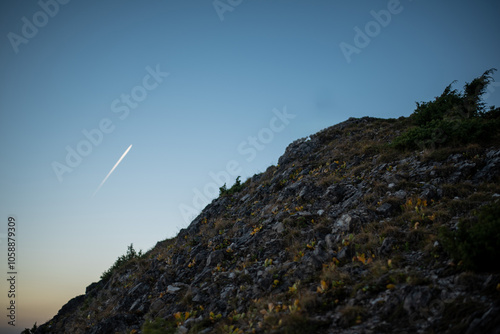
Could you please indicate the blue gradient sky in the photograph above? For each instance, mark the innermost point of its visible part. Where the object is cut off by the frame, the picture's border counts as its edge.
(227, 80)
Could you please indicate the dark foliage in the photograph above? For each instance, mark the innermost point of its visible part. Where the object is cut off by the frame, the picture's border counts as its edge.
(453, 118)
(237, 187)
(131, 254)
(476, 243)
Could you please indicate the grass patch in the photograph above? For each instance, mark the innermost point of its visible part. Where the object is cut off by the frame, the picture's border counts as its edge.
(159, 326)
(351, 315)
(298, 324)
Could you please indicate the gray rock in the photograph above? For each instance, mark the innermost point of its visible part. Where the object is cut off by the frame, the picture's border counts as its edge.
(489, 322)
(492, 167)
(172, 289)
(401, 194)
(342, 225)
(279, 227)
(181, 330)
(344, 253)
(215, 257)
(136, 305)
(244, 198)
(137, 289)
(330, 241)
(334, 193)
(385, 208)
(303, 192)
(417, 299)
(157, 305)
(227, 292)
(386, 247)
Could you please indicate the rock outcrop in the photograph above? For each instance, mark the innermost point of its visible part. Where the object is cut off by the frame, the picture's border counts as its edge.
(342, 236)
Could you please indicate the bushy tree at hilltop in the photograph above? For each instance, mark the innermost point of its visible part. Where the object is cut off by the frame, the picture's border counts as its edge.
(453, 118)
(122, 260)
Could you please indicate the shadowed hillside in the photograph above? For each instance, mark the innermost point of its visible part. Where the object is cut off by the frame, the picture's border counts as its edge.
(368, 226)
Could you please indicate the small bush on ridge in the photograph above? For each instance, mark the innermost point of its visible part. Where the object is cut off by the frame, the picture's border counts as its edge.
(131, 254)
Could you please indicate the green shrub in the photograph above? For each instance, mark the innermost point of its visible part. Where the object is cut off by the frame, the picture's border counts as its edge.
(237, 187)
(474, 90)
(122, 260)
(158, 326)
(30, 331)
(476, 243)
(427, 112)
(453, 118)
(440, 133)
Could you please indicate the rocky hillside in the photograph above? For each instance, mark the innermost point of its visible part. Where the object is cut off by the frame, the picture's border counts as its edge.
(369, 226)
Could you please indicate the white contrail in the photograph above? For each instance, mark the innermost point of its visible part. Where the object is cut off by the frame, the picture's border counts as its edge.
(112, 169)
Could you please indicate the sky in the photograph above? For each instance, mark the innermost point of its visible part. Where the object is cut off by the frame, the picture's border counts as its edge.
(195, 93)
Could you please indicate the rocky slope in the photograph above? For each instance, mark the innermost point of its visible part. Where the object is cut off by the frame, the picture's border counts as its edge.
(347, 234)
